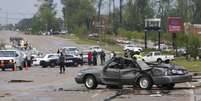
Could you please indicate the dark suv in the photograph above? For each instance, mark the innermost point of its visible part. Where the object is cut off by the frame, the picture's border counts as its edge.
(121, 71)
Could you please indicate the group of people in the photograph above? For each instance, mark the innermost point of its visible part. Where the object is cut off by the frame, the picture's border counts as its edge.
(93, 56)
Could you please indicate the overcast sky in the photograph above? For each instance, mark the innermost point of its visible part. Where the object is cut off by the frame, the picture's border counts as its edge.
(18, 9)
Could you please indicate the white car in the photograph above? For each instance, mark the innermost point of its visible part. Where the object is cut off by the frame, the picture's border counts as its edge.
(71, 50)
(11, 59)
(157, 57)
(98, 49)
(45, 58)
(132, 48)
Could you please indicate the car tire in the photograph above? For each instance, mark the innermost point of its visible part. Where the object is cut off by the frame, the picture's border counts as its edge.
(76, 64)
(90, 82)
(52, 64)
(159, 60)
(167, 61)
(3, 69)
(145, 82)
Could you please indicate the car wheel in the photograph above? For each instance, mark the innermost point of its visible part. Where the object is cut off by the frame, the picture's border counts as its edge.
(167, 61)
(145, 82)
(159, 60)
(90, 82)
(168, 86)
(76, 64)
(3, 69)
(52, 64)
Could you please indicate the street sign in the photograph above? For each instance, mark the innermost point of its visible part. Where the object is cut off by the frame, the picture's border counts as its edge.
(174, 24)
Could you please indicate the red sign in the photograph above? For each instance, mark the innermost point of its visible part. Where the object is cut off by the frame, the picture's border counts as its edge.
(174, 24)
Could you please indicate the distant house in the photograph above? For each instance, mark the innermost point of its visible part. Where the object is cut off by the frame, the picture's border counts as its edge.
(100, 26)
(193, 28)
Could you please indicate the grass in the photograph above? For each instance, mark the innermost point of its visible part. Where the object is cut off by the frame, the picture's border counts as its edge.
(189, 65)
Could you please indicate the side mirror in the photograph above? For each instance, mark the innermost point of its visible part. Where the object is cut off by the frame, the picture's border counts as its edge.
(16, 55)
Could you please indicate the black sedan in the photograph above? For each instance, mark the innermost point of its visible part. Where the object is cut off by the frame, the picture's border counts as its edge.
(120, 71)
(70, 60)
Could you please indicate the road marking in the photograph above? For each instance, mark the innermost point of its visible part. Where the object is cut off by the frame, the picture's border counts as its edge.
(94, 95)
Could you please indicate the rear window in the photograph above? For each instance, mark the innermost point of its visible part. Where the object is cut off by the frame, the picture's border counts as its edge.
(7, 53)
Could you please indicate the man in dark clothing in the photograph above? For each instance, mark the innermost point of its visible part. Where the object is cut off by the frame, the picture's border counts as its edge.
(95, 58)
(102, 57)
(62, 63)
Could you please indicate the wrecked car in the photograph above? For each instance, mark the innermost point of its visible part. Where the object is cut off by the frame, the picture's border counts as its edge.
(122, 71)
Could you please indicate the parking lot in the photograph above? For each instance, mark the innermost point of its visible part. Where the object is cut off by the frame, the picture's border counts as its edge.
(46, 84)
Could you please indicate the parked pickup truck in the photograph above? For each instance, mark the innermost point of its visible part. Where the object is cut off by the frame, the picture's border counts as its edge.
(11, 59)
(157, 57)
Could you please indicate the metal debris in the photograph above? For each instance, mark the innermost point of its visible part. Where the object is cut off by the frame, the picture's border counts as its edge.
(20, 81)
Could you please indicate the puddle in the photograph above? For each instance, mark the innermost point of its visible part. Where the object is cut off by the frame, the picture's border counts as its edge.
(20, 81)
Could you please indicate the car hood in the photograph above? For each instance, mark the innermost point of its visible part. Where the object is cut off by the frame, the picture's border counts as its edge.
(170, 66)
(6, 58)
(167, 66)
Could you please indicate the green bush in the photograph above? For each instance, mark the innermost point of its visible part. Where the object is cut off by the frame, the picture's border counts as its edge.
(193, 45)
(129, 34)
(107, 39)
(81, 31)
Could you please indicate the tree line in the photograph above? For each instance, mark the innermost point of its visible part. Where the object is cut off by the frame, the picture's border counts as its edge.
(78, 15)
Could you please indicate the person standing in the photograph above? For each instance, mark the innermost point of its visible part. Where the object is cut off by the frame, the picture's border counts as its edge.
(90, 58)
(102, 57)
(113, 54)
(62, 63)
(95, 58)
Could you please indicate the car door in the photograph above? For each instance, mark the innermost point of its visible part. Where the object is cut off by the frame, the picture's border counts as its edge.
(111, 74)
(129, 72)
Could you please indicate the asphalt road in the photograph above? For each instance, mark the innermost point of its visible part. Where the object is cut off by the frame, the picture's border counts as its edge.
(46, 84)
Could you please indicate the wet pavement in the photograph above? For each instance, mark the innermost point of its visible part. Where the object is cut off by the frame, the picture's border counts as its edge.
(48, 85)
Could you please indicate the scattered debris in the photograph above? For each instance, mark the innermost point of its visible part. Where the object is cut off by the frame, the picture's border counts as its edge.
(5, 94)
(20, 81)
(158, 94)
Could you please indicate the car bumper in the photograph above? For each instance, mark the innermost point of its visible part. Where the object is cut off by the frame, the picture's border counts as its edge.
(7, 65)
(172, 79)
(79, 80)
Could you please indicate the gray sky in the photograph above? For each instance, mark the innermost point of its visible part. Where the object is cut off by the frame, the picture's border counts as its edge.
(18, 9)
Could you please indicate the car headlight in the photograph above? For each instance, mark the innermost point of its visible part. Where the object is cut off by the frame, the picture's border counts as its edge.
(79, 74)
(174, 71)
(12, 61)
(177, 72)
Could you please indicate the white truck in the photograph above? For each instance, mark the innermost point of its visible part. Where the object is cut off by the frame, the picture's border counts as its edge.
(11, 59)
(157, 57)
